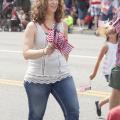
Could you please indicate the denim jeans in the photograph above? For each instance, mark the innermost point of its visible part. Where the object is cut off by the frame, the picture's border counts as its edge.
(64, 92)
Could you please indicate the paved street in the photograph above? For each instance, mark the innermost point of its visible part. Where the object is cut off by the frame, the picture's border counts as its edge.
(13, 100)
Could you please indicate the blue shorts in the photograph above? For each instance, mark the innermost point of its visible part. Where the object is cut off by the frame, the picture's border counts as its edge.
(105, 17)
(81, 13)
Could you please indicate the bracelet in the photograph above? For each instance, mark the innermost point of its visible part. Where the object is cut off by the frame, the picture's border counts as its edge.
(44, 52)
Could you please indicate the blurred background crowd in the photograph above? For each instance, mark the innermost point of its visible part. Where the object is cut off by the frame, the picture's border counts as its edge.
(14, 14)
(87, 14)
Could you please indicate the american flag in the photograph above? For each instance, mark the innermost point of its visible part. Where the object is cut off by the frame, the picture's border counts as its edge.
(59, 41)
(118, 55)
(116, 24)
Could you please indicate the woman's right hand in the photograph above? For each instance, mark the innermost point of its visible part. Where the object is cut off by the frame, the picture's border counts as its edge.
(49, 49)
(92, 76)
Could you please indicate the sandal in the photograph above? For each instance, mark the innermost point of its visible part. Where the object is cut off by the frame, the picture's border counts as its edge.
(98, 109)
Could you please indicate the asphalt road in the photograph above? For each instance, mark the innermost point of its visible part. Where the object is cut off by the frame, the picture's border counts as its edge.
(13, 100)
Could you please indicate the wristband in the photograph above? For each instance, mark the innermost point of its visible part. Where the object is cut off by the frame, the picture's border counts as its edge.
(44, 52)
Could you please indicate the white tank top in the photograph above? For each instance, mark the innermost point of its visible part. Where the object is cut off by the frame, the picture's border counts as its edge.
(47, 69)
(110, 58)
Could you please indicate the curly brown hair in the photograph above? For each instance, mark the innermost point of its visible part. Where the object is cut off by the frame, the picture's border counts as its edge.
(39, 11)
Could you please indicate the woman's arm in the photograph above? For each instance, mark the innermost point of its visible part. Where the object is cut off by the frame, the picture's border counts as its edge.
(103, 51)
(29, 40)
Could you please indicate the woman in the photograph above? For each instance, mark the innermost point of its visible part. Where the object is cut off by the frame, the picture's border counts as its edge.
(47, 69)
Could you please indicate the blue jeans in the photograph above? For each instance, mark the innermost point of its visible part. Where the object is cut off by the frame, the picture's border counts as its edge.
(63, 91)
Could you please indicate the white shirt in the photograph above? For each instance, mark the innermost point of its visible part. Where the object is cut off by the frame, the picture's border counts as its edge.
(47, 69)
(110, 58)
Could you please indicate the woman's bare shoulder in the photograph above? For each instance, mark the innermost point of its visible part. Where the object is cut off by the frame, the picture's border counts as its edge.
(31, 26)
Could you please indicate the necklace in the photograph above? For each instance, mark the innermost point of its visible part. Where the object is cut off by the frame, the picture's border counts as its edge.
(47, 27)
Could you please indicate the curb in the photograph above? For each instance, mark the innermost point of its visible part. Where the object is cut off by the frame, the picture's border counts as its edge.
(75, 30)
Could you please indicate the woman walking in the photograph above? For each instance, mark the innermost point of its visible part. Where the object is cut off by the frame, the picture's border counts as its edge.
(48, 71)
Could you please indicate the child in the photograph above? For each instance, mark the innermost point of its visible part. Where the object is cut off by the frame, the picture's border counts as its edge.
(109, 51)
(68, 20)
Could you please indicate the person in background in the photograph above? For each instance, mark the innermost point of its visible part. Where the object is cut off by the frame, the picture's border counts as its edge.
(69, 21)
(48, 70)
(95, 9)
(83, 6)
(68, 4)
(1, 16)
(116, 5)
(109, 51)
(15, 21)
(24, 19)
(1, 2)
(74, 14)
(107, 10)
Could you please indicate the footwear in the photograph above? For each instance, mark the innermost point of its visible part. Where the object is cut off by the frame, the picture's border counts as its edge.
(98, 109)
(80, 29)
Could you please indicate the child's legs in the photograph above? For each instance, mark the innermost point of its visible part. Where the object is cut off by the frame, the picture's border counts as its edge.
(95, 12)
(103, 102)
(81, 15)
(107, 77)
(106, 100)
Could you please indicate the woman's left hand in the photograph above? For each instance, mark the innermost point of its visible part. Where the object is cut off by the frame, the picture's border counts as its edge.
(49, 49)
